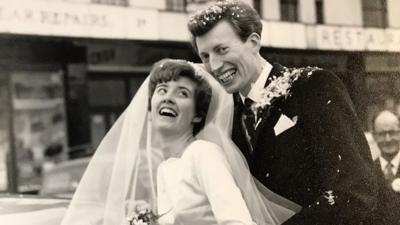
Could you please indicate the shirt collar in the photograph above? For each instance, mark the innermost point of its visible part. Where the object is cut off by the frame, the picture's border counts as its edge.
(395, 162)
(257, 86)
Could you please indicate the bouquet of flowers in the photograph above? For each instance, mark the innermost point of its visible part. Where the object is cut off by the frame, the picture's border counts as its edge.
(141, 213)
(143, 217)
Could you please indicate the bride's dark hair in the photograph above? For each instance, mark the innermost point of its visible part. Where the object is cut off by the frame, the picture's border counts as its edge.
(172, 69)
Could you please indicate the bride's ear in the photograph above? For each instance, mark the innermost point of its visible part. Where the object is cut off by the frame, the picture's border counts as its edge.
(196, 119)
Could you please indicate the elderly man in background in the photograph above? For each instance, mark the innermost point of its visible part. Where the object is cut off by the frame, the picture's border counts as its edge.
(387, 136)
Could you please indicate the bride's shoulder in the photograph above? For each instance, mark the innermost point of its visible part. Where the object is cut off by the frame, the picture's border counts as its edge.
(200, 148)
(203, 144)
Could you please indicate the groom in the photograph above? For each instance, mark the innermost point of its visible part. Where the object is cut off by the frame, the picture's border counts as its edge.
(300, 133)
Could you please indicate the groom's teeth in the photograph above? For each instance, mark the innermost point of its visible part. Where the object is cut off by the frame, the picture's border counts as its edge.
(227, 76)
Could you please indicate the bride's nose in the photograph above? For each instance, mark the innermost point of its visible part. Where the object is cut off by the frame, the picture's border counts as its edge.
(168, 100)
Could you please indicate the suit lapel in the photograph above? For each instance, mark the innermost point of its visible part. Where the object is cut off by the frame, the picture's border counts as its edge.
(276, 71)
(397, 172)
(270, 115)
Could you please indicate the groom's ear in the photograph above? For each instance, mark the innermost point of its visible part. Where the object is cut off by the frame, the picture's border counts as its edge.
(196, 119)
(254, 40)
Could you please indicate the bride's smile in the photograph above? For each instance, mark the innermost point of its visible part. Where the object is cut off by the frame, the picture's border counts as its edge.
(174, 107)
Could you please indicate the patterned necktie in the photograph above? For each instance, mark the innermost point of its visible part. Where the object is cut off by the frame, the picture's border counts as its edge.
(249, 117)
(389, 175)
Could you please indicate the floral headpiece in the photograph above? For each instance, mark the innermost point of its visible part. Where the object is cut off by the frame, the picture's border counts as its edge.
(215, 12)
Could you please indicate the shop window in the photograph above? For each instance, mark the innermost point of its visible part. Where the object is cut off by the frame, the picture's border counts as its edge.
(39, 125)
(258, 6)
(134, 84)
(176, 5)
(319, 8)
(4, 132)
(98, 127)
(384, 93)
(374, 13)
(289, 10)
(107, 93)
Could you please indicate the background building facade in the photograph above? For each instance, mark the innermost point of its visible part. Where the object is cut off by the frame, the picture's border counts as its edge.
(70, 67)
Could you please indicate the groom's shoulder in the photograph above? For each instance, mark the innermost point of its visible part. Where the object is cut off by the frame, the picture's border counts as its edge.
(314, 76)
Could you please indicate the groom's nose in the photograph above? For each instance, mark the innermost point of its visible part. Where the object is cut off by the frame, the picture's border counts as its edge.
(215, 63)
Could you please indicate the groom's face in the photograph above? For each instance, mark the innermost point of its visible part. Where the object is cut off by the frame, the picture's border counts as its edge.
(231, 61)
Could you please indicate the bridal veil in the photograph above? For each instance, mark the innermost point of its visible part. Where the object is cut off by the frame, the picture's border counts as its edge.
(123, 168)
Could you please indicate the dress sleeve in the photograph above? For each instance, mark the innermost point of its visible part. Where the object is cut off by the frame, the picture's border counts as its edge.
(214, 175)
(163, 201)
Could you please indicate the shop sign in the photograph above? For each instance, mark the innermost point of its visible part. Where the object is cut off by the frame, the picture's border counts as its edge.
(357, 38)
(77, 20)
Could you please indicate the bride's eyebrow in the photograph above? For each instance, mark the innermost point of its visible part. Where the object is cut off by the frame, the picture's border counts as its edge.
(163, 84)
(184, 88)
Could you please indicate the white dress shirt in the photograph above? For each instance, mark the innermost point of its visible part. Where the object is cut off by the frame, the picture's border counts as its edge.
(395, 163)
(257, 86)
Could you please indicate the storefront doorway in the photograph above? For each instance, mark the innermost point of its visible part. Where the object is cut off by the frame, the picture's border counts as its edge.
(109, 93)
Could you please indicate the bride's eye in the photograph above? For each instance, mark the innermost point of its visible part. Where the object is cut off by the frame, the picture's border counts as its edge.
(183, 93)
(161, 90)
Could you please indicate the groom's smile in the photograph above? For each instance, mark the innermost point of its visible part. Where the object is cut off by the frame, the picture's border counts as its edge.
(227, 76)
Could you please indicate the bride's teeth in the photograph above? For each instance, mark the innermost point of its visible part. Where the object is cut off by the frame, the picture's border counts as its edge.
(168, 111)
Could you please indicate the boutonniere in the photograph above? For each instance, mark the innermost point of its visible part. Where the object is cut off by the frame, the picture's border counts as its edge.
(279, 87)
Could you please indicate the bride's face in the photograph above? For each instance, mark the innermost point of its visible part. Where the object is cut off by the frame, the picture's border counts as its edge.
(173, 106)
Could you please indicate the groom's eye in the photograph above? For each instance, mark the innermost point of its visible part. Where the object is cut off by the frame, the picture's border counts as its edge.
(222, 50)
(204, 57)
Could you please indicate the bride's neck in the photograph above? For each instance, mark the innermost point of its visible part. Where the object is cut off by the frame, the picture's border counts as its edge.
(173, 145)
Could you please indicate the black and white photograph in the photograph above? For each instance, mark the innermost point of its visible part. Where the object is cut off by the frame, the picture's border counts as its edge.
(200, 112)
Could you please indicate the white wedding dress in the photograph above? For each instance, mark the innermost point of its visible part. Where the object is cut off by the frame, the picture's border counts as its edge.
(209, 184)
(198, 189)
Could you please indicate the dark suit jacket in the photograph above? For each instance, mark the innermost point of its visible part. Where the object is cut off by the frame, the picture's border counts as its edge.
(325, 152)
(389, 200)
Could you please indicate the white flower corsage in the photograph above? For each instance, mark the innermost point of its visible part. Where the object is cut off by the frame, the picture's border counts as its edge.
(280, 86)
(396, 185)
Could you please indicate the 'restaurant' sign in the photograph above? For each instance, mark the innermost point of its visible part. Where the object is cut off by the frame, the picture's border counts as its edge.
(357, 38)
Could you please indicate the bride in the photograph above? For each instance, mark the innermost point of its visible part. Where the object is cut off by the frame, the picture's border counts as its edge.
(170, 153)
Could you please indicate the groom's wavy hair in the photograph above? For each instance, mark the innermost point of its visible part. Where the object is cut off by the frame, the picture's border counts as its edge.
(172, 69)
(243, 18)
